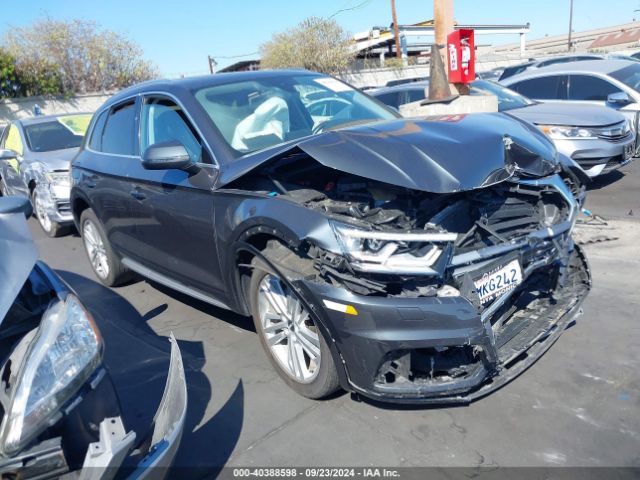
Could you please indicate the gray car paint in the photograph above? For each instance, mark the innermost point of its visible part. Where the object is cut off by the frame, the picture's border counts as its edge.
(431, 155)
(18, 253)
(556, 113)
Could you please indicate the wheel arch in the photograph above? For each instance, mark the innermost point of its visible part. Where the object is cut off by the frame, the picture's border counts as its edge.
(79, 203)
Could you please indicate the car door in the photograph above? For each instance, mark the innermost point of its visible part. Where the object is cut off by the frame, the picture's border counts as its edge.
(178, 226)
(113, 149)
(11, 168)
(543, 88)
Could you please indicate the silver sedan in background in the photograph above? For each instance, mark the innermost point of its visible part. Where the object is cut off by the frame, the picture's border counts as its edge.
(35, 154)
(607, 83)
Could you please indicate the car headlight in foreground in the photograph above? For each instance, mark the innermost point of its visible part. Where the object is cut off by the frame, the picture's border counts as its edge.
(409, 253)
(65, 351)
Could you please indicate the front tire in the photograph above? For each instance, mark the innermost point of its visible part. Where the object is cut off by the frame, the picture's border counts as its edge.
(288, 333)
(50, 227)
(105, 263)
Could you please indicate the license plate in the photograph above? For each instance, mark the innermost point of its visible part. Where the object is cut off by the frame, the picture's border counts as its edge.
(498, 281)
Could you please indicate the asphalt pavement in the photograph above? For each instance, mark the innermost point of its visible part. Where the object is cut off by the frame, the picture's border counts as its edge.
(579, 405)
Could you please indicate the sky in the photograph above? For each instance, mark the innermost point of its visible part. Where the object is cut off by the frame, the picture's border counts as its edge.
(178, 35)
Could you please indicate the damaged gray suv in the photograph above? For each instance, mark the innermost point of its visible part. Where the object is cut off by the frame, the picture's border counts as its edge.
(409, 260)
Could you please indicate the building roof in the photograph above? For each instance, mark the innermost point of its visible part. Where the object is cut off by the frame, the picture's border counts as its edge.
(622, 37)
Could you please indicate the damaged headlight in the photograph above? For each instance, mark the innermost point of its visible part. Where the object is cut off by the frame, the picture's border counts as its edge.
(557, 132)
(410, 253)
(58, 178)
(65, 351)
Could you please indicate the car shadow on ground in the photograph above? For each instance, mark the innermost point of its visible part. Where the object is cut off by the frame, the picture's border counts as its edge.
(240, 321)
(138, 360)
(605, 180)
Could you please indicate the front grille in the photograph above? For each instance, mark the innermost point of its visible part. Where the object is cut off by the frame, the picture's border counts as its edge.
(617, 132)
(501, 215)
(64, 207)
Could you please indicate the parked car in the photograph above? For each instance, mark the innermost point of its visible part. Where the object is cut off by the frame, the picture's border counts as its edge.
(60, 412)
(492, 74)
(534, 64)
(611, 83)
(598, 139)
(34, 163)
(409, 260)
(402, 81)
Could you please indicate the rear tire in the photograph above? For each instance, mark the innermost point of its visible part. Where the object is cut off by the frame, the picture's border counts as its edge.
(105, 263)
(288, 333)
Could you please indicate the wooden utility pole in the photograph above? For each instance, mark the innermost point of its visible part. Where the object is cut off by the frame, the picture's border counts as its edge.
(212, 65)
(570, 25)
(443, 20)
(395, 28)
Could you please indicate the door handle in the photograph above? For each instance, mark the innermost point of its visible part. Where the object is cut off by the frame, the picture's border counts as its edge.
(137, 194)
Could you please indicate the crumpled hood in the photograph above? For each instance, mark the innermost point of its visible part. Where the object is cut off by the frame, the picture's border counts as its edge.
(18, 253)
(566, 114)
(435, 154)
(56, 159)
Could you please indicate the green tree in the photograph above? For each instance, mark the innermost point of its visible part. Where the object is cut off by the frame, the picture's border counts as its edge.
(315, 44)
(9, 83)
(75, 56)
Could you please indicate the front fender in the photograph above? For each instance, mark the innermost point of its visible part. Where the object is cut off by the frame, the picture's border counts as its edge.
(240, 218)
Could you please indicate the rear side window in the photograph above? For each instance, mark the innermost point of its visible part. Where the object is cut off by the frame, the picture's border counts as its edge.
(119, 132)
(587, 87)
(541, 88)
(95, 142)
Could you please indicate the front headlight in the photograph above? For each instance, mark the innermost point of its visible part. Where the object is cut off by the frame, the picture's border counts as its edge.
(58, 178)
(557, 132)
(65, 351)
(411, 253)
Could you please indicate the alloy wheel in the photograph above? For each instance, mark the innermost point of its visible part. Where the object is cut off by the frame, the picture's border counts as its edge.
(95, 249)
(289, 332)
(41, 213)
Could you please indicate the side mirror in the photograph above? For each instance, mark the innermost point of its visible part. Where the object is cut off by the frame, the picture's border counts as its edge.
(7, 154)
(619, 98)
(168, 155)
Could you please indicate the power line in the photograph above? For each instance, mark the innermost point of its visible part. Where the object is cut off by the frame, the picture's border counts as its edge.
(355, 7)
(226, 57)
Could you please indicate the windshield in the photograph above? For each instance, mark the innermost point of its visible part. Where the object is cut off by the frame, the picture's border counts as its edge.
(265, 112)
(630, 76)
(63, 132)
(507, 99)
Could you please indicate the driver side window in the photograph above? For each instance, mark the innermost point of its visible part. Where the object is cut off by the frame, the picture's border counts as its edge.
(163, 121)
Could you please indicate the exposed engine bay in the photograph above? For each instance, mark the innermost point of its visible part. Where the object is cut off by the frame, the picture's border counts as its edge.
(501, 214)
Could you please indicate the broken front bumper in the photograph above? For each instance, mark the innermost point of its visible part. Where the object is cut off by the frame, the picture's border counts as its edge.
(112, 453)
(445, 349)
(106, 456)
(55, 199)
